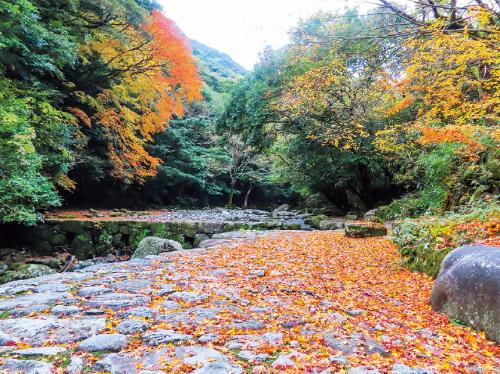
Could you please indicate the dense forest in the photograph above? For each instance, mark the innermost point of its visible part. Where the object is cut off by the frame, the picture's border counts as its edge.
(109, 104)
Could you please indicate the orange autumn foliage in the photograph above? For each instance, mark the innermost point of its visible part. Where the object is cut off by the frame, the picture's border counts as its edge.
(452, 134)
(158, 75)
(452, 78)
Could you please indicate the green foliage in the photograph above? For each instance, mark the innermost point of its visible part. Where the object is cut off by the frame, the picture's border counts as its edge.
(67, 105)
(424, 242)
(442, 180)
(279, 109)
(24, 188)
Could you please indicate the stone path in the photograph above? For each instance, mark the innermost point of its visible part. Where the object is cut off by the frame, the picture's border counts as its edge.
(313, 302)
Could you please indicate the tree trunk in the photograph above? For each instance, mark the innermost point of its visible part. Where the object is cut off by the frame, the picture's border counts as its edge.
(247, 195)
(231, 193)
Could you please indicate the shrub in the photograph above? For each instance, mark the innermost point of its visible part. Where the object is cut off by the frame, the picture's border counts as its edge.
(424, 242)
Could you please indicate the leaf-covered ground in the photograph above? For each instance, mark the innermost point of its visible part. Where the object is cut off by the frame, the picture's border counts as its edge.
(290, 301)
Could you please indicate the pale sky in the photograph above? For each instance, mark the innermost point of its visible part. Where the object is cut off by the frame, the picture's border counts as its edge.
(242, 28)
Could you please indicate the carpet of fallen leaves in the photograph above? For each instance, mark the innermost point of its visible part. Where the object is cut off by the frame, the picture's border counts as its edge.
(311, 284)
(311, 279)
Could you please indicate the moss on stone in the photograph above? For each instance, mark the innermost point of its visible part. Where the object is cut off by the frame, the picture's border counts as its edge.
(314, 221)
(360, 230)
(58, 240)
(74, 226)
(82, 246)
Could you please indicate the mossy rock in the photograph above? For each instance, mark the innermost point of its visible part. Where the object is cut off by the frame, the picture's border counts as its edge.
(118, 240)
(25, 271)
(211, 228)
(159, 230)
(42, 231)
(41, 246)
(112, 227)
(331, 224)
(124, 228)
(359, 230)
(58, 240)
(314, 221)
(189, 229)
(3, 268)
(75, 227)
(174, 228)
(199, 238)
(82, 246)
(377, 214)
(152, 246)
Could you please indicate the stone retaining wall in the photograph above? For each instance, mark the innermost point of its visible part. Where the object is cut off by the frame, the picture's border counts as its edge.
(86, 238)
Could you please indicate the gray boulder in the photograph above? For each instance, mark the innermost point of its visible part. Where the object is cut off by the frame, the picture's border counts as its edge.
(331, 224)
(25, 271)
(468, 288)
(281, 208)
(152, 246)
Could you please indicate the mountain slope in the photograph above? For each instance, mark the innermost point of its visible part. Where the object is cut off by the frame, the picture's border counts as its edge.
(216, 67)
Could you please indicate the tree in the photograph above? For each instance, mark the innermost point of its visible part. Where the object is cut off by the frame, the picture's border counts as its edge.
(157, 73)
(93, 81)
(451, 80)
(312, 108)
(242, 162)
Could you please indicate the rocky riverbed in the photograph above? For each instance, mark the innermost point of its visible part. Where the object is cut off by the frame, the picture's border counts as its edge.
(69, 240)
(72, 240)
(297, 301)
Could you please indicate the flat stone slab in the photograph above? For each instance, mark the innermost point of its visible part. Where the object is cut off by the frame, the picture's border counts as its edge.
(210, 360)
(65, 310)
(132, 285)
(41, 351)
(161, 336)
(93, 290)
(132, 326)
(126, 363)
(32, 299)
(117, 301)
(104, 342)
(36, 331)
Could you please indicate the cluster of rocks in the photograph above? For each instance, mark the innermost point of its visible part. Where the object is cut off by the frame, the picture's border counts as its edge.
(73, 307)
(72, 316)
(349, 224)
(70, 243)
(63, 244)
(25, 265)
(86, 238)
(158, 304)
